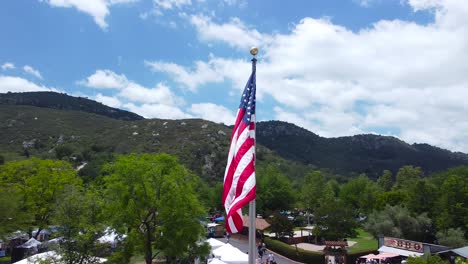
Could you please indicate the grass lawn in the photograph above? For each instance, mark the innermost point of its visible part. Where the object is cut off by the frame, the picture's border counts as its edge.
(5, 260)
(364, 241)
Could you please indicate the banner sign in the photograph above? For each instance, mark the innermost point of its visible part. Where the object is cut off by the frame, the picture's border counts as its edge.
(404, 244)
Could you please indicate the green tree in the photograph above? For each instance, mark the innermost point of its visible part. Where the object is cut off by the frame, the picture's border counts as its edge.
(385, 182)
(452, 237)
(151, 198)
(12, 217)
(451, 205)
(2, 160)
(281, 225)
(333, 218)
(420, 196)
(78, 213)
(312, 190)
(359, 193)
(426, 259)
(38, 182)
(397, 221)
(274, 190)
(406, 175)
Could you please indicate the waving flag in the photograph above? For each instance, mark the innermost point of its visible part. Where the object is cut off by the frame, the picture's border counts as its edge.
(239, 178)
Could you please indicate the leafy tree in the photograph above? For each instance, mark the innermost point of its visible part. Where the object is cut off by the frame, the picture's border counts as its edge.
(12, 216)
(392, 198)
(452, 238)
(385, 181)
(359, 193)
(151, 198)
(451, 205)
(281, 225)
(426, 259)
(397, 221)
(420, 196)
(334, 220)
(2, 160)
(63, 151)
(78, 214)
(274, 190)
(38, 182)
(407, 174)
(312, 190)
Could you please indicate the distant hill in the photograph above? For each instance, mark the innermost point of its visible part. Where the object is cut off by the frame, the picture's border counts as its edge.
(65, 102)
(81, 130)
(370, 154)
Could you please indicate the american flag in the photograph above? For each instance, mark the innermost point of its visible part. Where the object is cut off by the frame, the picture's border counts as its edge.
(239, 178)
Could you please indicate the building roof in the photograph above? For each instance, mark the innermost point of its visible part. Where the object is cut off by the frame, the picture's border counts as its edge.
(260, 223)
(401, 252)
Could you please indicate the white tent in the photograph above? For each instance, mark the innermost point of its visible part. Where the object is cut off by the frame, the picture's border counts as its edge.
(231, 255)
(216, 261)
(214, 243)
(31, 243)
(50, 255)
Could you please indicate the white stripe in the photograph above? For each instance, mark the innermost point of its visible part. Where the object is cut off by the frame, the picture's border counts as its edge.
(243, 163)
(248, 186)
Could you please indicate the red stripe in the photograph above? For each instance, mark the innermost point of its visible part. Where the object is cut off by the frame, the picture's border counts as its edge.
(234, 162)
(238, 222)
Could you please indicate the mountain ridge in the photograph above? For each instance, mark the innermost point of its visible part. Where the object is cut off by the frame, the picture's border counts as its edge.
(203, 145)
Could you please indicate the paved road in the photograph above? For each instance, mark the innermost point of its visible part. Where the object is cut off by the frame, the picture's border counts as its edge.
(242, 243)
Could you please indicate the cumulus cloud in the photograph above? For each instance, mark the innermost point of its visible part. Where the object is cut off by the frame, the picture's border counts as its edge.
(213, 112)
(98, 9)
(147, 101)
(170, 4)
(391, 76)
(105, 79)
(108, 100)
(30, 70)
(8, 66)
(17, 84)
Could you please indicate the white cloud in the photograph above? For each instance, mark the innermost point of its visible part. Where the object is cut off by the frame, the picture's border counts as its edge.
(398, 76)
(108, 100)
(8, 66)
(157, 111)
(98, 9)
(160, 94)
(213, 112)
(235, 33)
(17, 84)
(170, 4)
(105, 79)
(30, 70)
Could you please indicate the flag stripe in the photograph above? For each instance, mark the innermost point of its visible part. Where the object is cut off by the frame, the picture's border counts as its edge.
(239, 178)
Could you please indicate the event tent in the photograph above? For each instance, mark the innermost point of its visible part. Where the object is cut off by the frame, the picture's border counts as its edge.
(31, 243)
(51, 255)
(214, 243)
(231, 255)
(216, 261)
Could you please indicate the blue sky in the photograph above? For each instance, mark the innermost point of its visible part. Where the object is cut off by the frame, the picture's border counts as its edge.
(334, 67)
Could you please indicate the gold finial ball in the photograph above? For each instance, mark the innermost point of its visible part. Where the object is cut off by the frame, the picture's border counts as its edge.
(253, 51)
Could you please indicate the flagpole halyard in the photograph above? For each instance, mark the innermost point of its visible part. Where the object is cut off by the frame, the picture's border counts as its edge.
(252, 211)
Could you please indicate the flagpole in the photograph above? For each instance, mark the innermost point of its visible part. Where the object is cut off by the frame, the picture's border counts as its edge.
(252, 214)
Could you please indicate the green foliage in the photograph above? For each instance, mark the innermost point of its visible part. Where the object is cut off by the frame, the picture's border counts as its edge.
(13, 216)
(63, 151)
(407, 175)
(38, 182)
(151, 195)
(385, 182)
(397, 221)
(281, 225)
(2, 159)
(293, 253)
(78, 213)
(312, 189)
(359, 195)
(452, 238)
(426, 259)
(274, 190)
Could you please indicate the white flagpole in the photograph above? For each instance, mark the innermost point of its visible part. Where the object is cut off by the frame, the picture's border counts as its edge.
(252, 214)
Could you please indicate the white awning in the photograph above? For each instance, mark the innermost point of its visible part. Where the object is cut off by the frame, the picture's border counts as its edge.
(401, 252)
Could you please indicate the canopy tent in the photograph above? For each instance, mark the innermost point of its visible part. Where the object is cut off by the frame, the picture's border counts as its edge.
(51, 255)
(218, 219)
(214, 243)
(400, 252)
(31, 243)
(111, 237)
(231, 255)
(216, 261)
(383, 255)
(463, 251)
